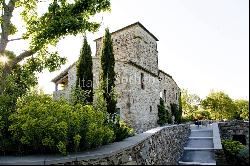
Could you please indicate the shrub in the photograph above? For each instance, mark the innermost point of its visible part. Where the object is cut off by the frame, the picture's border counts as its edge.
(42, 123)
(232, 147)
(176, 112)
(244, 155)
(163, 114)
(121, 129)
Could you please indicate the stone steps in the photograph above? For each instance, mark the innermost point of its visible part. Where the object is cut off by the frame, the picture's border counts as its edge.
(199, 149)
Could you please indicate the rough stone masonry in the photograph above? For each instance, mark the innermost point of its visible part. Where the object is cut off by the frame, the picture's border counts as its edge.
(139, 81)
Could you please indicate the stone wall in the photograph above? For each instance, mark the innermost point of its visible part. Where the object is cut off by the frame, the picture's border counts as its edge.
(134, 43)
(160, 146)
(138, 106)
(236, 127)
(173, 92)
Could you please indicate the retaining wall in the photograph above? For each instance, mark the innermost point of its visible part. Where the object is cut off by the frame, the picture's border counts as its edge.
(159, 146)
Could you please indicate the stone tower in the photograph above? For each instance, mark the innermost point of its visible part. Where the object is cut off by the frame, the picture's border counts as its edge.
(136, 56)
(139, 82)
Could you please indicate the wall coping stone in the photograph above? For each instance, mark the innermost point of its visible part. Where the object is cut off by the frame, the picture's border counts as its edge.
(102, 152)
(216, 137)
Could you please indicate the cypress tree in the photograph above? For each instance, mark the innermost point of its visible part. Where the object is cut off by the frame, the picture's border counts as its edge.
(84, 71)
(162, 113)
(108, 72)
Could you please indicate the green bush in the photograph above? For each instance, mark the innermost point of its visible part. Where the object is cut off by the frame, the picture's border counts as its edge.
(244, 155)
(163, 114)
(121, 129)
(42, 123)
(176, 112)
(232, 147)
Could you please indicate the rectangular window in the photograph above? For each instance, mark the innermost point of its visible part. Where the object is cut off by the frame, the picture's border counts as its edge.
(165, 95)
(142, 81)
(176, 96)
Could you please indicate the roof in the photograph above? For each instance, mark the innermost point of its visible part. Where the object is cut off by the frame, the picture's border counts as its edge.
(129, 26)
(142, 68)
(63, 73)
(165, 73)
(161, 71)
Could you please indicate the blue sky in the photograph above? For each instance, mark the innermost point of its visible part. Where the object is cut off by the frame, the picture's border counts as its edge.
(203, 44)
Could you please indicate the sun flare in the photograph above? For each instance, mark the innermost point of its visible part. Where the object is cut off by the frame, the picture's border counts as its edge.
(4, 59)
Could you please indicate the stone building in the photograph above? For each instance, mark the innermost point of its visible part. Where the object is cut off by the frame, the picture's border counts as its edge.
(139, 83)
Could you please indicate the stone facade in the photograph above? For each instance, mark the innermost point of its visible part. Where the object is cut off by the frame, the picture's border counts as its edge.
(139, 82)
(234, 128)
(170, 92)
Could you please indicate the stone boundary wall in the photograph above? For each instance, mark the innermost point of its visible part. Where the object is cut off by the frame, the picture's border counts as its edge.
(220, 157)
(236, 127)
(159, 146)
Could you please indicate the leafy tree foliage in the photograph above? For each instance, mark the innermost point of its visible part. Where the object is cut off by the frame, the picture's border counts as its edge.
(220, 105)
(242, 108)
(108, 72)
(84, 71)
(190, 103)
(176, 112)
(163, 113)
(17, 75)
(121, 129)
(62, 18)
(16, 84)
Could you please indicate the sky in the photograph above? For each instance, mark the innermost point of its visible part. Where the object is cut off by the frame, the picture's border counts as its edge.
(203, 44)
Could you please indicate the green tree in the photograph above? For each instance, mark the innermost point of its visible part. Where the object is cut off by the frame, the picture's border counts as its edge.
(17, 73)
(84, 71)
(220, 105)
(16, 83)
(108, 72)
(175, 110)
(190, 103)
(242, 108)
(62, 18)
(162, 113)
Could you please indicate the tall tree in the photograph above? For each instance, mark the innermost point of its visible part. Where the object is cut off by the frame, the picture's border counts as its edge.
(62, 18)
(220, 105)
(163, 114)
(108, 72)
(17, 72)
(84, 71)
(190, 103)
(242, 108)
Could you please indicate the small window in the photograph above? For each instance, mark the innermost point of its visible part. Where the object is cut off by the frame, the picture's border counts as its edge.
(150, 109)
(142, 81)
(176, 96)
(165, 95)
(118, 111)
